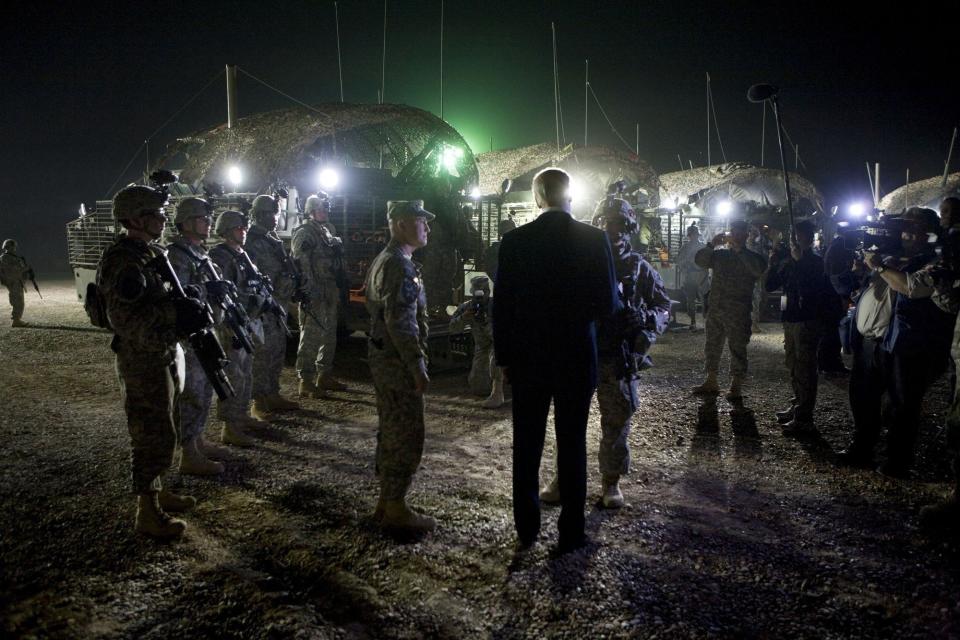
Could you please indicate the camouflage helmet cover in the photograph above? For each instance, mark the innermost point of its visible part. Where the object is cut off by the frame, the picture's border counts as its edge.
(264, 208)
(616, 208)
(133, 200)
(192, 208)
(230, 220)
(316, 202)
(9, 244)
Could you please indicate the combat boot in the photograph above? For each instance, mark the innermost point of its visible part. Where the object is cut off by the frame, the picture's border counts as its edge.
(309, 389)
(785, 416)
(18, 323)
(170, 501)
(551, 493)
(233, 433)
(261, 408)
(194, 463)
(253, 422)
(495, 400)
(798, 427)
(709, 386)
(212, 450)
(612, 497)
(277, 402)
(327, 382)
(397, 515)
(153, 521)
(736, 389)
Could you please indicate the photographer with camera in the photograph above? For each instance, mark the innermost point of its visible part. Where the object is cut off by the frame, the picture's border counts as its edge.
(695, 280)
(267, 252)
(901, 342)
(485, 377)
(799, 273)
(735, 271)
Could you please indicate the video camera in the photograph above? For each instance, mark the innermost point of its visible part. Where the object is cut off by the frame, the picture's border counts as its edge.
(479, 305)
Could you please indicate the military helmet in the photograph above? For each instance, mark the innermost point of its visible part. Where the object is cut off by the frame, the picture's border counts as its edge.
(264, 208)
(192, 207)
(131, 201)
(230, 220)
(316, 202)
(616, 208)
(10, 245)
(479, 282)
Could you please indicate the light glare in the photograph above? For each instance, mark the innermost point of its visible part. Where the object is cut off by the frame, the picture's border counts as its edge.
(235, 176)
(328, 178)
(724, 208)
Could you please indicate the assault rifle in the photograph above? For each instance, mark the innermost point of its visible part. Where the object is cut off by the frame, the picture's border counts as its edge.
(204, 342)
(264, 288)
(33, 278)
(234, 315)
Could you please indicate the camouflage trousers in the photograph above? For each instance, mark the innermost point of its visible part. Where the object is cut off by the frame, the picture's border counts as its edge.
(240, 373)
(758, 294)
(15, 296)
(727, 324)
(483, 371)
(618, 400)
(800, 342)
(196, 399)
(268, 358)
(150, 391)
(318, 341)
(401, 433)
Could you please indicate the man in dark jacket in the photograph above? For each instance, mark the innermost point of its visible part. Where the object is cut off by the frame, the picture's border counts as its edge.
(800, 275)
(555, 281)
(901, 342)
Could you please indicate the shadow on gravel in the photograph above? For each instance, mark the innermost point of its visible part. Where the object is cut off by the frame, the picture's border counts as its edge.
(65, 327)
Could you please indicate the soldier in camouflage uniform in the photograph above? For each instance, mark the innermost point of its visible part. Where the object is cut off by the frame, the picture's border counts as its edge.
(187, 253)
(735, 271)
(318, 252)
(230, 258)
(623, 345)
(13, 272)
(485, 377)
(147, 323)
(397, 353)
(269, 255)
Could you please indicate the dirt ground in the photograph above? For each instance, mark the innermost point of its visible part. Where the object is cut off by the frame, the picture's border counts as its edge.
(747, 534)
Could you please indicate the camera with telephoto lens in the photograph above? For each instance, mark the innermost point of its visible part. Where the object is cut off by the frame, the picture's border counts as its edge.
(479, 305)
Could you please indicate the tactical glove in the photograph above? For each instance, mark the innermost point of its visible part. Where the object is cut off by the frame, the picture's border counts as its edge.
(219, 288)
(193, 291)
(191, 316)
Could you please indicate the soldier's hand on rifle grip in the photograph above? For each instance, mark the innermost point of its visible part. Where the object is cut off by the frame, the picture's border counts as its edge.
(191, 316)
(219, 288)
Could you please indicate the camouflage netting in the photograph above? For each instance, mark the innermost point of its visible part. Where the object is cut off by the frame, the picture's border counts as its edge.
(923, 193)
(291, 144)
(740, 182)
(594, 167)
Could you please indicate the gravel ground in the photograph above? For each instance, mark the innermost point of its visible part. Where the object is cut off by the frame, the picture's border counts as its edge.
(741, 534)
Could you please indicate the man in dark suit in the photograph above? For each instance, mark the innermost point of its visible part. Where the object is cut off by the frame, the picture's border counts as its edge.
(555, 280)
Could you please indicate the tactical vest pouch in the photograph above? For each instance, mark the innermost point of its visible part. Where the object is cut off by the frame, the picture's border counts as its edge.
(96, 307)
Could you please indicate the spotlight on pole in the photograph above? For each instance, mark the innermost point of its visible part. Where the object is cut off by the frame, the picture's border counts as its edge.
(328, 178)
(235, 176)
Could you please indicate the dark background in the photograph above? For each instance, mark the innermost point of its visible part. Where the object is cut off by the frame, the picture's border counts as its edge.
(85, 83)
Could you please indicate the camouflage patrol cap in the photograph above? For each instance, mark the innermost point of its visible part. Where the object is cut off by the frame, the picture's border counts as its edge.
(316, 202)
(133, 200)
(397, 209)
(230, 220)
(192, 208)
(9, 244)
(616, 208)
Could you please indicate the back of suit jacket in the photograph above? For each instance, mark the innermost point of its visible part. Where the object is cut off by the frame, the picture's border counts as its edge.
(555, 280)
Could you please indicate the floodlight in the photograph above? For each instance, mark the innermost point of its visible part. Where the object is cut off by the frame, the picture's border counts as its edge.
(328, 178)
(670, 203)
(575, 190)
(475, 193)
(724, 208)
(856, 209)
(451, 155)
(235, 176)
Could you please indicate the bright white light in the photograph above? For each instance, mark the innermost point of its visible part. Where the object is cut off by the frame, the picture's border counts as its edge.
(475, 193)
(869, 218)
(235, 176)
(843, 223)
(856, 209)
(575, 190)
(328, 179)
(669, 203)
(724, 208)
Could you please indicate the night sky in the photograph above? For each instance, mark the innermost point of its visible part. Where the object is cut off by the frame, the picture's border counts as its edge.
(85, 83)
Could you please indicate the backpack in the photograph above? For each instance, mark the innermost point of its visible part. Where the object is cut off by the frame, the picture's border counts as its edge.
(95, 305)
